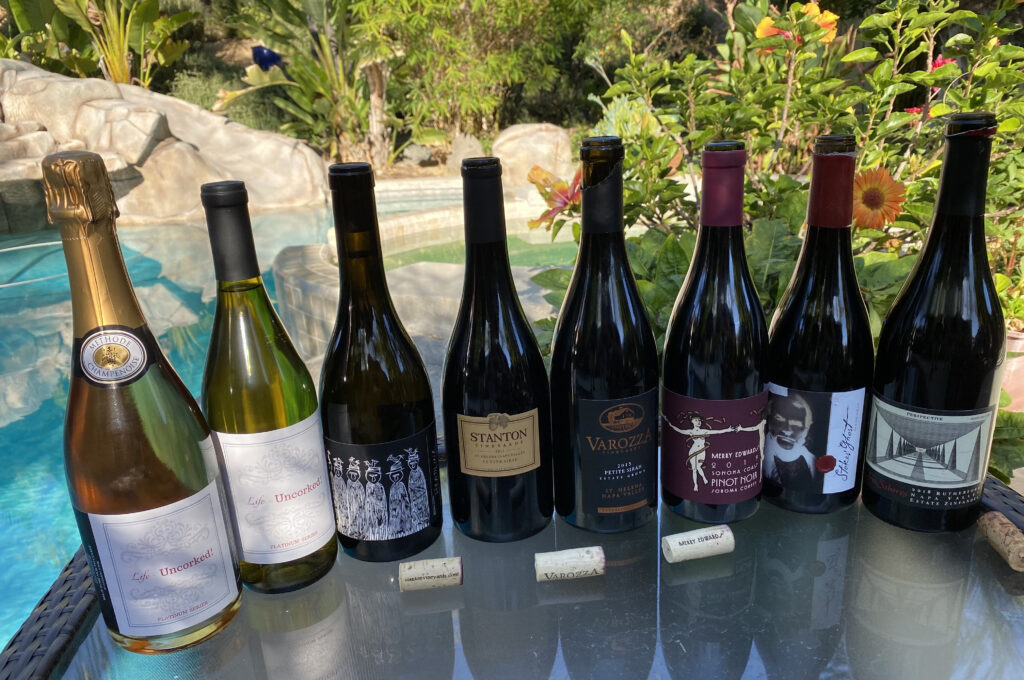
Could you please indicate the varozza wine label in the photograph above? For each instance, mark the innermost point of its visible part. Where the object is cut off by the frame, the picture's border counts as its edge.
(499, 445)
(113, 355)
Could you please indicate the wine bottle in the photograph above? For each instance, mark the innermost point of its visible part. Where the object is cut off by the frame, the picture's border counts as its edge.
(604, 368)
(375, 399)
(495, 386)
(261, 401)
(141, 464)
(820, 352)
(940, 357)
(714, 400)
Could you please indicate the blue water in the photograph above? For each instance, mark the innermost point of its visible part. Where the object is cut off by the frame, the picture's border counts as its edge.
(172, 270)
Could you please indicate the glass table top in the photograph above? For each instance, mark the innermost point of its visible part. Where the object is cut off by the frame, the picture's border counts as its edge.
(802, 596)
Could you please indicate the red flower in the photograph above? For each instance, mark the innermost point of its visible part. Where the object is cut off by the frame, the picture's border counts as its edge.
(913, 109)
(940, 62)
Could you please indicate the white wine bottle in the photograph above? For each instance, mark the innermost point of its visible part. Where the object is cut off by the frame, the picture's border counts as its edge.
(259, 398)
(142, 466)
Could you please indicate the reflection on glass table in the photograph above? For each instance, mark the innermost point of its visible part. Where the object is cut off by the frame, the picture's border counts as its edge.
(803, 596)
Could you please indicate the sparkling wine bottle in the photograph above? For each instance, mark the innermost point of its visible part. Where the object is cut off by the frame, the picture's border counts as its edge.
(820, 352)
(261, 401)
(604, 368)
(940, 357)
(141, 464)
(375, 401)
(714, 399)
(495, 386)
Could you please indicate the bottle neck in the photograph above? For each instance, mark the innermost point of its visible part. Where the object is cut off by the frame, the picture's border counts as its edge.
(718, 250)
(826, 257)
(964, 177)
(101, 292)
(602, 197)
(234, 253)
(721, 202)
(360, 261)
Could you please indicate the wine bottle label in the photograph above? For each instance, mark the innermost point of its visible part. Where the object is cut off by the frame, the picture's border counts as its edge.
(163, 570)
(928, 459)
(813, 439)
(379, 505)
(712, 450)
(499, 445)
(280, 489)
(617, 445)
(113, 355)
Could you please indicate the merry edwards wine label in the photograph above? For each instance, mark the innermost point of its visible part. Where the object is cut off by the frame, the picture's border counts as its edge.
(499, 445)
(813, 439)
(280, 491)
(617, 443)
(712, 450)
(373, 505)
(928, 459)
(163, 570)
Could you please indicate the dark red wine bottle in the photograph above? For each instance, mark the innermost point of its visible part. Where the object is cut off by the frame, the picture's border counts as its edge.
(375, 402)
(714, 399)
(940, 357)
(495, 395)
(604, 368)
(820, 353)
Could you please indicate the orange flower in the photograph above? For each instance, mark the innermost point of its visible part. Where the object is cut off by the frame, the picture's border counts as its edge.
(877, 198)
(826, 20)
(559, 195)
(767, 28)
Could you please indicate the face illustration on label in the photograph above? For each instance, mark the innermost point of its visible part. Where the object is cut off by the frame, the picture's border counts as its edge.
(790, 421)
(112, 356)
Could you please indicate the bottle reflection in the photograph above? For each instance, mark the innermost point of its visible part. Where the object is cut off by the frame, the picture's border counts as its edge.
(393, 634)
(707, 607)
(801, 575)
(608, 625)
(907, 601)
(506, 632)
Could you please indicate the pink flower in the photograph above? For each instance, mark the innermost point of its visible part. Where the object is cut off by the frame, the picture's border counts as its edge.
(940, 62)
(558, 194)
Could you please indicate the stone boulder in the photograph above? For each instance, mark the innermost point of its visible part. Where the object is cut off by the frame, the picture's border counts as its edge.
(520, 147)
(465, 146)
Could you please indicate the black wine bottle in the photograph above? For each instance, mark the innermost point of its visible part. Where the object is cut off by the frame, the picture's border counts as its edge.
(495, 398)
(820, 352)
(375, 401)
(604, 368)
(714, 400)
(940, 357)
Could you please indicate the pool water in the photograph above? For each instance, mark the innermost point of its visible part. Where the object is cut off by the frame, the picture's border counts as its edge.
(172, 272)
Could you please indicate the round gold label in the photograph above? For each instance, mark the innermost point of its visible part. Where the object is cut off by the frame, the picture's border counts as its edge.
(112, 356)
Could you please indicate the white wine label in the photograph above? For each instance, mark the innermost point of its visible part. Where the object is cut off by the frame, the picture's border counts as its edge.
(928, 459)
(112, 356)
(813, 439)
(280, 490)
(164, 570)
(499, 445)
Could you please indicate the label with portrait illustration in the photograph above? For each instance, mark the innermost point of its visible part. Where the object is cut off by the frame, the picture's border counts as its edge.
(163, 570)
(813, 439)
(499, 444)
(617, 444)
(112, 355)
(280, 489)
(712, 450)
(387, 490)
(926, 458)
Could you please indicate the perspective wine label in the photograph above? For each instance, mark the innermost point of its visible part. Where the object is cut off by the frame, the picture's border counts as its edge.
(280, 490)
(620, 439)
(928, 459)
(500, 444)
(712, 449)
(381, 491)
(813, 439)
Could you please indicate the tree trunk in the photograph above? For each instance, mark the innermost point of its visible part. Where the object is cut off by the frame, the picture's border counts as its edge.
(379, 137)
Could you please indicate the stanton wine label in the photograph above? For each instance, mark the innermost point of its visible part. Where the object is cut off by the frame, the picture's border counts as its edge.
(712, 450)
(499, 445)
(163, 570)
(928, 459)
(112, 355)
(280, 492)
(619, 442)
(380, 490)
(813, 439)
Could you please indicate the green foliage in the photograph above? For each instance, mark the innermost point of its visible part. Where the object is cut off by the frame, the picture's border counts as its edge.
(38, 31)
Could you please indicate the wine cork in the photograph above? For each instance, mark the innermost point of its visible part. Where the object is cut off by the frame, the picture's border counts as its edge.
(429, 574)
(1005, 537)
(569, 564)
(693, 545)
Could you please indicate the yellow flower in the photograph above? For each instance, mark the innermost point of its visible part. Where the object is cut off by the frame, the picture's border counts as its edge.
(877, 198)
(826, 20)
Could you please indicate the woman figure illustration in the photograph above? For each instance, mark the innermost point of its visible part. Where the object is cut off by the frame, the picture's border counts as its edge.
(399, 507)
(350, 521)
(375, 509)
(418, 491)
(698, 434)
